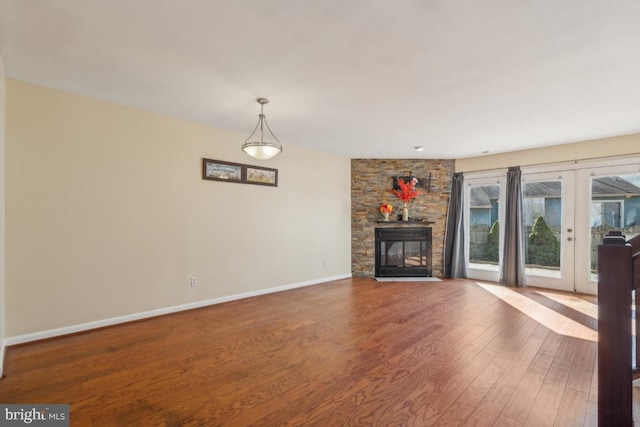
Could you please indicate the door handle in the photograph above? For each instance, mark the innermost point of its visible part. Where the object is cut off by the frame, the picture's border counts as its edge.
(569, 238)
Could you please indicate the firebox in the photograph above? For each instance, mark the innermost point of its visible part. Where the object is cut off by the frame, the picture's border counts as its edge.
(403, 252)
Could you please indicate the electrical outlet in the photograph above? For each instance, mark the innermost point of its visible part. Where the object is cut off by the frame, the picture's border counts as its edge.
(194, 281)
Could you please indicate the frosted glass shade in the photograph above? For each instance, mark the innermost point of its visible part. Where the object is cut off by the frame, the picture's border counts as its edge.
(262, 150)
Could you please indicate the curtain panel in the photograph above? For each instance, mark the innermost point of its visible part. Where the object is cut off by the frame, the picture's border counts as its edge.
(454, 263)
(512, 272)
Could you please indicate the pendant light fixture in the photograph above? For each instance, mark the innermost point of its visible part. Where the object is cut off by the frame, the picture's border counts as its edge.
(262, 144)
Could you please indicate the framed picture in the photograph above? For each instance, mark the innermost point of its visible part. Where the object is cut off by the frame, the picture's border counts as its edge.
(261, 176)
(218, 170)
(424, 183)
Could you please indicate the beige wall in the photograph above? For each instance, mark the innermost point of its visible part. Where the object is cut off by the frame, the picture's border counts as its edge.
(598, 148)
(107, 213)
(2, 183)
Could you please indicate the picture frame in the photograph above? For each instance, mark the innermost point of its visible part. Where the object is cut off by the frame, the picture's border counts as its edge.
(259, 175)
(218, 170)
(422, 183)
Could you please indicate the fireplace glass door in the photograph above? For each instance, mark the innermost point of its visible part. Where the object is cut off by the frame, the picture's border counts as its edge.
(403, 252)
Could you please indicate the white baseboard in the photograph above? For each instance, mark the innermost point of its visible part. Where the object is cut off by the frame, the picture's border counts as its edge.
(2, 353)
(21, 339)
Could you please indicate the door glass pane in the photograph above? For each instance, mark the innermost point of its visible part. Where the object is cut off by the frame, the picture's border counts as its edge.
(484, 239)
(615, 205)
(542, 212)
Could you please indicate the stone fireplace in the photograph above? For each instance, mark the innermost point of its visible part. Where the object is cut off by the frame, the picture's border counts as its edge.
(370, 180)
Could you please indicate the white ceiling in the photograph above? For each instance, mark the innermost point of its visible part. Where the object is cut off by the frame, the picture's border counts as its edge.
(361, 78)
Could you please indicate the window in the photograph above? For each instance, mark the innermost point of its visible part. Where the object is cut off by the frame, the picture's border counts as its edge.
(483, 219)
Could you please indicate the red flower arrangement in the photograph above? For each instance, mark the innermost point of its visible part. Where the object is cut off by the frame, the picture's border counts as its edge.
(407, 191)
(386, 208)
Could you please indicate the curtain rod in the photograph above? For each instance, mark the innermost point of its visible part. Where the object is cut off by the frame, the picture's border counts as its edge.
(574, 161)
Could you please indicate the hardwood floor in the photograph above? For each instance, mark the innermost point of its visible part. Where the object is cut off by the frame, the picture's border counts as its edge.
(349, 352)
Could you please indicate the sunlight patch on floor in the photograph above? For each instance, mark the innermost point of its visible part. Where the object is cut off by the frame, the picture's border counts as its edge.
(541, 314)
(575, 303)
(581, 305)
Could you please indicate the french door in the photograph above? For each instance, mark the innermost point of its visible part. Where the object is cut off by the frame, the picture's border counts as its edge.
(548, 218)
(567, 209)
(609, 198)
(549, 229)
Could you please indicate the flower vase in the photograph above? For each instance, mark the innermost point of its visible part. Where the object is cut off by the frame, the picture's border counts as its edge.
(405, 212)
(385, 215)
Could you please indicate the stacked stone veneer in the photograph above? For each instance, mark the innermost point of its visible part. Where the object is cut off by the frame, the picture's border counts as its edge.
(370, 181)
